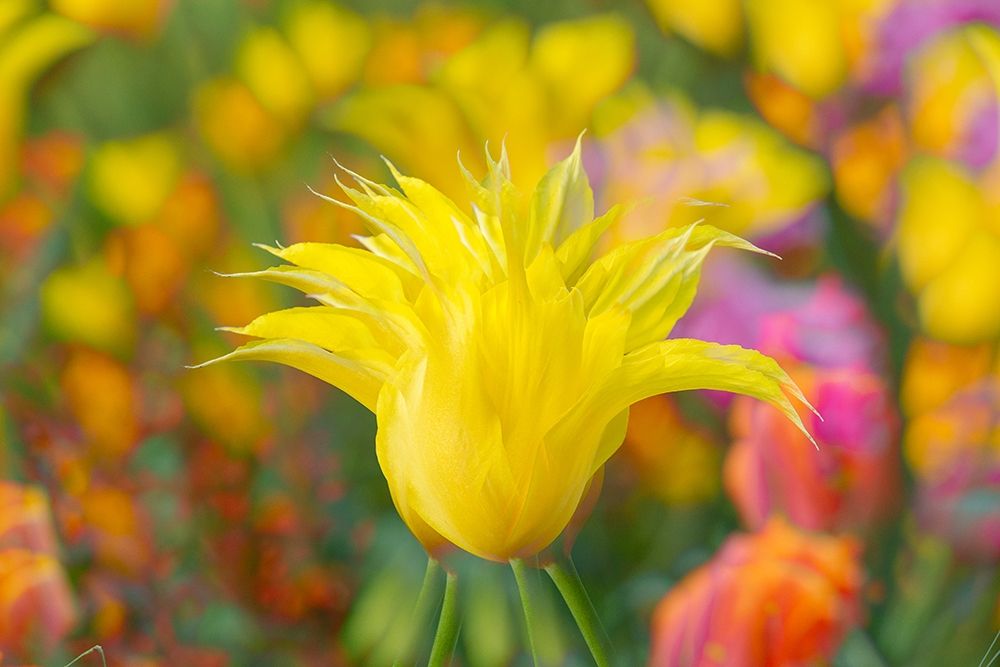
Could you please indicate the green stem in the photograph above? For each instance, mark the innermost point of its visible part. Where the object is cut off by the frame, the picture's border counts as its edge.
(525, 589)
(447, 630)
(567, 580)
(420, 612)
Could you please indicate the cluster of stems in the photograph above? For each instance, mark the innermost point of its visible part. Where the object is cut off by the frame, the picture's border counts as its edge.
(563, 574)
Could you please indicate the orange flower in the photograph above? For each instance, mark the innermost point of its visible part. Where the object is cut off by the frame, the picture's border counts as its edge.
(36, 605)
(676, 461)
(779, 598)
(102, 397)
(25, 519)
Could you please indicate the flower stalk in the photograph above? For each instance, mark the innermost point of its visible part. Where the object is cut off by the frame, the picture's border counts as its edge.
(526, 589)
(421, 612)
(567, 580)
(448, 625)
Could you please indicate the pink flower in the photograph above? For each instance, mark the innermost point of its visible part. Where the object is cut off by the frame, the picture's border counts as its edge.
(850, 483)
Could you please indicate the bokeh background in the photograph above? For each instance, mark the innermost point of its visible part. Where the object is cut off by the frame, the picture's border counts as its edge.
(235, 515)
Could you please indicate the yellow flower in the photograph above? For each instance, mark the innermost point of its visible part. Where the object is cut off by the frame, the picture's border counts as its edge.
(538, 90)
(948, 243)
(500, 360)
(715, 26)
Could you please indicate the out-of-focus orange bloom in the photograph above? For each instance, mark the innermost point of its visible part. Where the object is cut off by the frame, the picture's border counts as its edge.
(236, 126)
(935, 371)
(49, 164)
(306, 217)
(139, 19)
(23, 221)
(101, 395)
(786, 108)
(191, 215)
(88, 304)
(25, 519)
(410, 51)
(154, 266)
(866, 159)
(852, 481)
(116, 530)
(778, 598)
(53, 160)
(36, 604)
(226, 403)
(676, 461)
(232, 300)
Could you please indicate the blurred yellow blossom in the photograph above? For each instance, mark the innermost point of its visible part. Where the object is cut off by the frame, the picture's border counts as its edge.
(948, 243)
(87, 304)
(130, 179)
(443, 326)
(715, 26)
(306, 217)
(134, 18)
(800, 42)
(331, 43)
(535, 93)
(274, 74)
(29, 45)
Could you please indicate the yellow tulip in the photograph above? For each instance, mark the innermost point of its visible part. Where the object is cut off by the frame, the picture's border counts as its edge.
(500, 361)
(948, 243)
(716, 26)
(29, 45)
(800, 41)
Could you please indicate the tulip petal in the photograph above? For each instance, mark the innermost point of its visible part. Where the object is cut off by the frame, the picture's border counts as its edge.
(683, 364)
(562, 203)
(357, 373)
(369, 275)
(655, 278)
(574, 252)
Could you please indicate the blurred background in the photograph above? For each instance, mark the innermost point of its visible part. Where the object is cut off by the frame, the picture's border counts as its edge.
(235, 515)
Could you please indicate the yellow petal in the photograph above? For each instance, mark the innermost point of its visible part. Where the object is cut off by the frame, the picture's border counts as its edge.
(369, 275)
(320, 325)
(685, 364)
(562, 203)
(654, 278)
(574, 252)
(359, 376)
